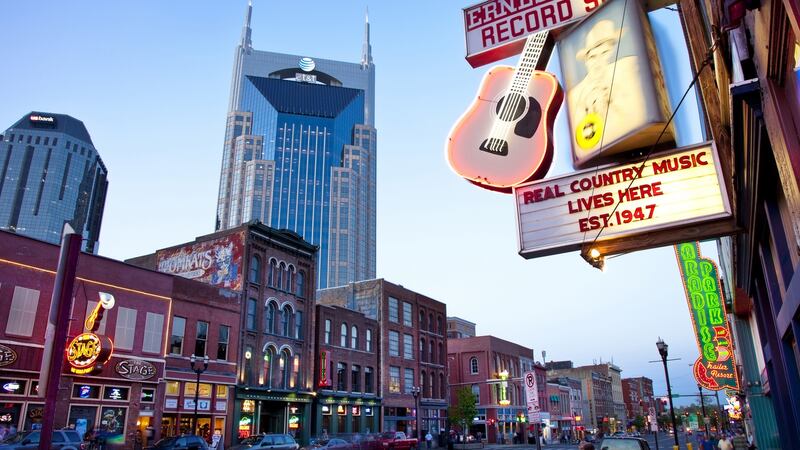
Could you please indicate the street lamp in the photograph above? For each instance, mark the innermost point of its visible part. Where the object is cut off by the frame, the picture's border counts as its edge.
(663, 349)
(198, 369)
(415, 391)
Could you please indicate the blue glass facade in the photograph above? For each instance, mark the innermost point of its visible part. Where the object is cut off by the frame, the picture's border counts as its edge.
(51, 174)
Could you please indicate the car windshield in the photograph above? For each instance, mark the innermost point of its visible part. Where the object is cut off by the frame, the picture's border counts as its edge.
(251, 440)
(166, 442)
(12, 439)
(620, 444)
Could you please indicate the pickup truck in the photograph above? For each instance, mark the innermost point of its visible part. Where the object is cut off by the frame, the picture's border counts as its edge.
(397, 440)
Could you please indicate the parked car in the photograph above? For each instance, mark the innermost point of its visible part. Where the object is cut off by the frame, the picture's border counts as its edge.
(267, 441)
(624, 443)
(62, 440)
(185, 442)
(397, 440)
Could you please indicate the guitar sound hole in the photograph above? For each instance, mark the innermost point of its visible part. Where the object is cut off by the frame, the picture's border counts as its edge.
(514, 110)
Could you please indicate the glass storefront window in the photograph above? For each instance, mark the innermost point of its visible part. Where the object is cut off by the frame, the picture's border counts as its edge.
(115, 393)
(112, 421)
(189, 389)
(222, 392)
(82, 418)
(12, 387)
(85, 391)
(33, 417)
(148, 395)
(173, 388)
(10, 414)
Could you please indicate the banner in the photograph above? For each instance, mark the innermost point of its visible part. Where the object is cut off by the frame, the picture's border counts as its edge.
(715, 369)
(532, 397)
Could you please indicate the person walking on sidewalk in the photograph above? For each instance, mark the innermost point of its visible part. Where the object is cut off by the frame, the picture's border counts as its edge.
(428, 439)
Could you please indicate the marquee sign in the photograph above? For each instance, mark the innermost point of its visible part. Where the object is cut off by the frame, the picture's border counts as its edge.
(87, 352)
(497, 29)
(7, 355)
(135, 369)
(671, 189)
(715, 369)
(217, 262)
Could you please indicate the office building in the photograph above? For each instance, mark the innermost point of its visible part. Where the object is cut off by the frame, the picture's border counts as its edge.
(300, 154)
(51, 174)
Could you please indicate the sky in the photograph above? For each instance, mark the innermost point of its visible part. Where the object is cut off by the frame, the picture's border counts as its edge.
(151, 79)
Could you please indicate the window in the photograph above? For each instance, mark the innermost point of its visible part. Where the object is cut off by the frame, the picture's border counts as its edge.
(355, 378)
(269, 327)
(251, 314)
(408, 380)
(421, 349)
(368, 340)
(394, 379)
(101, 328)
(255, 270)
(473, 365)
(393, 312)
(354, 337)
(222, 343)
(126, 328)
(176, 337)
(153, 326)
(300, 284)
(369, 386)
(439, 328)
(442, 386)
(284, 366)
(441, 353)
(430, 323)
(298, 325)
(328, 331)
(279, 279)
(23, 311)
(271, 274)
(343, 335)
(394, 343)
(407, 320)
(200, 340)
(269, 358)
(341, 377)
(287, 313)
(203, 392)
(408, 346)
(476, 391)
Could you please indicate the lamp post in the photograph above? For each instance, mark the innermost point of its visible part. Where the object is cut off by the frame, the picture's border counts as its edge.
(198, 368)
(415, 391)
(663, 350)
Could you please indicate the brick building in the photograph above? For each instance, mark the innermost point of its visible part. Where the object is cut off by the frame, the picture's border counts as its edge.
(638, 394)
(597, 390)
(458, 328)
(347, 368)
(493, 368)
(272, 273)
(128, 394)
(412, 352)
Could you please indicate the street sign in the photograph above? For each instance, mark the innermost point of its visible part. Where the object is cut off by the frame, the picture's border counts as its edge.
(532, 395)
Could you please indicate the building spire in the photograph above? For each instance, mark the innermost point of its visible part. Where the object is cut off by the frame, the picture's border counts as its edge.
(246, 43)
(366, 49)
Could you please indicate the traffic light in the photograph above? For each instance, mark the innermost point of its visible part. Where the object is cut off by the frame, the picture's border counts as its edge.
(521, 418)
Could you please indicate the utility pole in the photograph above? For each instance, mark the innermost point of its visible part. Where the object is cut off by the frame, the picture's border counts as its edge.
(703, 408)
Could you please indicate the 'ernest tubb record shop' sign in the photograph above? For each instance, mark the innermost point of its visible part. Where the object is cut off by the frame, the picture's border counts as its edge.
(217, 262)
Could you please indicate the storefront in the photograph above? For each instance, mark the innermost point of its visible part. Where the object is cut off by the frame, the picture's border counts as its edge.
(264, 411)
(346, 415)
(179, 408)
(20, 406)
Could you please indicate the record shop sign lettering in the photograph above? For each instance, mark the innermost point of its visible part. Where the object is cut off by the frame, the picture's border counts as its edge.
(135, 369)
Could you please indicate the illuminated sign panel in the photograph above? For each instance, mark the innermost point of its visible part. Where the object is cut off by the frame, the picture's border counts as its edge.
(715, 369)
(324, 380)
(217, 262)
(87, 352)
(40, 121)
(671, 189)
(497, 29)
(135, 369)
(7, 355)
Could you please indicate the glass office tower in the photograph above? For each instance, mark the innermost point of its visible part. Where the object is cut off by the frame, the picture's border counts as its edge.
(51, 174)
(300, 154)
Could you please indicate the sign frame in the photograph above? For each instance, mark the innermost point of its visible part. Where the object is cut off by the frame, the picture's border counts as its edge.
(646, 237)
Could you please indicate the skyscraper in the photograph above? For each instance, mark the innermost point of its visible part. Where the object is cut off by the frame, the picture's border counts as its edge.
(300, 153)
(51, 174)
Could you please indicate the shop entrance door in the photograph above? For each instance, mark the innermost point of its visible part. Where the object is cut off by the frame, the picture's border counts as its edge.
(273, 417)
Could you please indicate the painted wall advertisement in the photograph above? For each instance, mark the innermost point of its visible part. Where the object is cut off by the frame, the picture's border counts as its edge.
(715, 369)
(217, 262)
(670, 189)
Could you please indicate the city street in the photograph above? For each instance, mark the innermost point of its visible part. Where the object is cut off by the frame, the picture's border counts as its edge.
(665, 442)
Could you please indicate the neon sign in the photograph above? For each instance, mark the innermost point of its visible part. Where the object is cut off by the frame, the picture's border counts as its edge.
(715, 369)
(294, 422)
(324, 381)
(87, 352)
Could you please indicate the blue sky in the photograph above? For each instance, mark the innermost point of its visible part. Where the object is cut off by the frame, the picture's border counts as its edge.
(150, 80)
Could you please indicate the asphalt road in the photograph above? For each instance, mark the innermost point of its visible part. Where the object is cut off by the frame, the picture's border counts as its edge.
(665, 442)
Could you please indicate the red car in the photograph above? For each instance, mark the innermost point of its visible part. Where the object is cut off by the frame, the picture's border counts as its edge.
(397, 440)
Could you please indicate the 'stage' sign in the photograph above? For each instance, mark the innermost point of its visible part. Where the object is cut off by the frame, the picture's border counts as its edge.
(135, 369)
(87, 353)
(671, 189)
(7, 355)
(715, 369)
(496, 29)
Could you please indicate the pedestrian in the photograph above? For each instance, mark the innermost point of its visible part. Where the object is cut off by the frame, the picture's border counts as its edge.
(739, 441)
(724, 443)
(3, 432)
(450, 436)
(586, 446)
(428, 439)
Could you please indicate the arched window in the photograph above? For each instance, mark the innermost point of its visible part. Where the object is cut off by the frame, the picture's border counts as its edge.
(298, 325)
(284, 367)
(423, 383)
(269, 360)
(271, 274)
(441, 353)
(255, 269)
(285, 319)
(433, 392)
(473, 365)
(422, 349)
(431, 354)
(289, 279)
(430, 323)
(442, 386)
(421, 323)
(343, 336)
(369, 340)
(269, 323)
(279, 281)
(300, 284)
(439, 325)
(354, 337)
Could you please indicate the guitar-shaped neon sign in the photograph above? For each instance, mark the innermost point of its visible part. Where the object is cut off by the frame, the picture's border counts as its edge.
(505, 136)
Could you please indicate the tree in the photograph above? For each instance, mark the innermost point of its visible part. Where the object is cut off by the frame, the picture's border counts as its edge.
(464, 411)
(639, 423)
